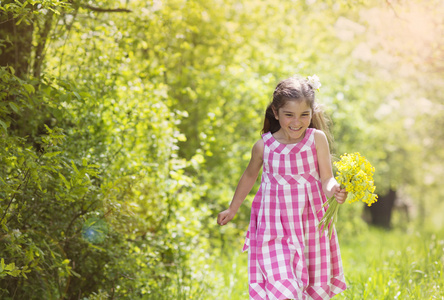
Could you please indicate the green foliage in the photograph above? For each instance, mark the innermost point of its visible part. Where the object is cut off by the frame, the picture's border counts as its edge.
(12, 270)
(122, 134)
(29, 175)
(26, 11)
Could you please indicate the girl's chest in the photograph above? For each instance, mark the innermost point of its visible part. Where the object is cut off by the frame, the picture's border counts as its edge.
(303, 161)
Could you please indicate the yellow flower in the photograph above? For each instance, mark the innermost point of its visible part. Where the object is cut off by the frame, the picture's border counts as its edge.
(355, 174)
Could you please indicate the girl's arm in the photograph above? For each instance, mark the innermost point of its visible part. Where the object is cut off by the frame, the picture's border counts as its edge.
(329, 184)
(245, 184)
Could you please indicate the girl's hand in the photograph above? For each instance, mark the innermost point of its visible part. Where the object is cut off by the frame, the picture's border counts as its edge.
(340, 194)
(224, 217)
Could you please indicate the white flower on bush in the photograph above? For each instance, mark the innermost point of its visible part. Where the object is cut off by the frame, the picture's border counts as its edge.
(314, 82)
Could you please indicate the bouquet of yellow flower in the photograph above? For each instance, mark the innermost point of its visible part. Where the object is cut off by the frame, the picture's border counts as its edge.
(355, 174)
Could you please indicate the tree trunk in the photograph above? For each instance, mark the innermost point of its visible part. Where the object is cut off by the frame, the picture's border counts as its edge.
(381, 211)
(18, 46)
(41, 43)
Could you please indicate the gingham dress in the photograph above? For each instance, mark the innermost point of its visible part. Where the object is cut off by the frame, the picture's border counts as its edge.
(288, 258)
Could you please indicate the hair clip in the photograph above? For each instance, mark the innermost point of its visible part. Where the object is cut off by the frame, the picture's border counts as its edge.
(314, 82)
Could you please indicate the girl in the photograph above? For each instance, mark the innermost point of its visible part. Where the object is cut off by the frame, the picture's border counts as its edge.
(288, 257)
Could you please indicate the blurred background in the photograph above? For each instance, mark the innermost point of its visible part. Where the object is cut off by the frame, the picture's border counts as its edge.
(125, 126)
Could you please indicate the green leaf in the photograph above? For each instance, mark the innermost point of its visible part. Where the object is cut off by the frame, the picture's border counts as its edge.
(182, 138)
(21, 19)
(74, 167)
(15, 273)
(3, 124)
(51, 154)
(14, 107)
(48, 129)
(10, 267)
(96, 247)
(68, 186)
(75, 273)
(29, 88)
(21, 160)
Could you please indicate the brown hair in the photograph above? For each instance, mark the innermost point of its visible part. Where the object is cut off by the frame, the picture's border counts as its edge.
(296, 89)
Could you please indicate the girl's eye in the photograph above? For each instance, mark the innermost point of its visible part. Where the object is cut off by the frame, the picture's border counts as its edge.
(288, 115)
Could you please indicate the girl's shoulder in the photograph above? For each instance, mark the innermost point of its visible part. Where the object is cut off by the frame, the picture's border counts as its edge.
(258, 147)
(257, 153)
(319, 134)
(320, 139)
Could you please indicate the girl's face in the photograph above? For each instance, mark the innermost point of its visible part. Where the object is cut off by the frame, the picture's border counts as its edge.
(294, 118)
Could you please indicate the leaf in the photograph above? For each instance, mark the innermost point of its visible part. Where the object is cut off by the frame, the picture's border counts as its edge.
(75, 273)
(96, 247)
(15, 272)
(68, 186)
(51, 154)
(10, 267)
(14, 107)
(21, 160)
(21, 19)
(74, 167)
(29, 88)
(48, 129)
(182, 138)
(4, 125)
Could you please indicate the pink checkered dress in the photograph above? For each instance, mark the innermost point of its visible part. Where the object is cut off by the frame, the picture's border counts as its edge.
(288, 258)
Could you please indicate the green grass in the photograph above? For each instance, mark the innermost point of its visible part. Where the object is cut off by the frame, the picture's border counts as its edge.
(394, 265)
(378, 265)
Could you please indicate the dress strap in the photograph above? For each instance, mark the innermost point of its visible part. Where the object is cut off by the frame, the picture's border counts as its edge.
(268, 138)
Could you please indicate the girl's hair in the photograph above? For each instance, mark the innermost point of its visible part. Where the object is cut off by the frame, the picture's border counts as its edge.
(296, 89)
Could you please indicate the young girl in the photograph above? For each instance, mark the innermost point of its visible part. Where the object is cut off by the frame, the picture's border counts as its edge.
(288, 257)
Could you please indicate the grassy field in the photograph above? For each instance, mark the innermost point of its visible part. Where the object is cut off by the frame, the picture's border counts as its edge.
(394, 265)
(378, 265)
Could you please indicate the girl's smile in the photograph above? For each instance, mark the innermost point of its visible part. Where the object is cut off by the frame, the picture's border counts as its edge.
(294, 118)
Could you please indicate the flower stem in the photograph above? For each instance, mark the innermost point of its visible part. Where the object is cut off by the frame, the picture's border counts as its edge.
(330, 217)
